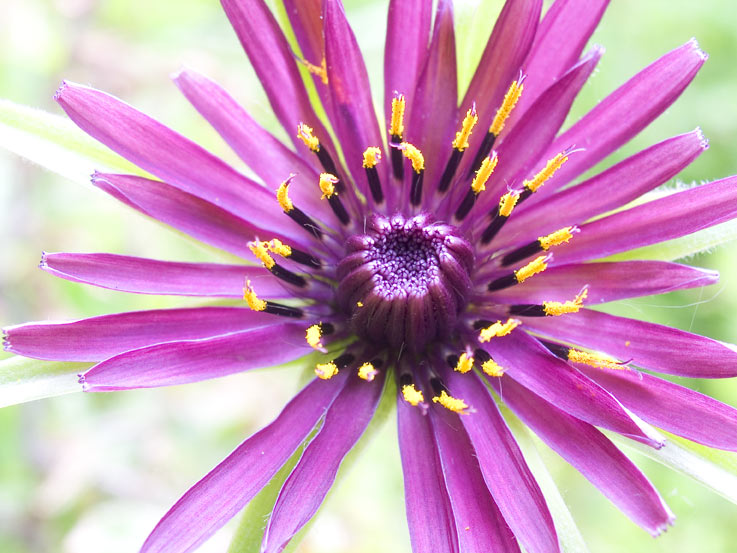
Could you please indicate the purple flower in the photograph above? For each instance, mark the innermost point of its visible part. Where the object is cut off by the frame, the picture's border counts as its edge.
(444, 250)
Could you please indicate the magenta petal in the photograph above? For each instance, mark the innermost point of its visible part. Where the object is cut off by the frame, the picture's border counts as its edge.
(310, 481)
(663, 219)
(98, 338)
(615, 187)
(538, 370)
(166, 154)
(407, 36)
(194, 216)
(624, 113)
(429, 514)
(433, 111)
(671, 407)
(651, 346)
(560, 39)
(353, 110)
(275, 66)
(306, 19)
(259, 149)
(228, 487)
(606, 281)
(501, 61)
(150, 276)
(479, 524)
(186, 361)
(535, 131)
(503, 467)
(593, 455)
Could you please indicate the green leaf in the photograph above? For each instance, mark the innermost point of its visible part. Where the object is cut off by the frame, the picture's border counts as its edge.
(23, 379)
(569, 537)
(713, 468)
(250, 530)
(54, 142)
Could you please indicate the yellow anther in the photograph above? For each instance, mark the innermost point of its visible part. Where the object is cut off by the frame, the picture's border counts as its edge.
(451, 403)
(595, 360)
(261, 251)
(326, 371)
(556, 238)
(465, 363)
(555, 308)
(498, 329)
(510, 100)
(482, 175)
(359, 304)
(537, 265)
(279, 248)
(305, 134)
(314, 336)
(414, 155)
(548, 171)
(412, 395)
(507, 203)
(327, 185)
(492, 368)
(282, 196)
(469, 122)
(249, 294)
(367, 372)
(319, 70)
(396, 127)
(371, 157)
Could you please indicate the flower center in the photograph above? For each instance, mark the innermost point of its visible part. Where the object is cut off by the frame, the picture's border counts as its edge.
(404, 282)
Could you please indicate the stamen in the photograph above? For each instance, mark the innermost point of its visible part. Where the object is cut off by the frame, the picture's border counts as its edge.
(506, 204)
(543, 243)
(298, 256)
(313, 143)
(412, 153)
(451, 403)
(478, 185)
(318, 70)
(534, 267)
(328, 188)
(305, 134)
(326, 371)
(412, 395)
(469, 122)
(396, 130)
(314, 337)
(546, 173)
(367, 372)
(249, 294)
(296, 214)
(498, 329)
(550, 308)
(371, 158)
(502, 114)
(459, 147)
(261, 251)
(464, 364)
(273, 308)
(492, 368)
(595, 360)
(505, 110)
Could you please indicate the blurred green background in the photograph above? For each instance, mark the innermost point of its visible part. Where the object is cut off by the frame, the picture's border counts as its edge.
(93, 473)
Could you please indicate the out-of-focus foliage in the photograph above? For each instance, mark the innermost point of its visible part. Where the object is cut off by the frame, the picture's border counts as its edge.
(93, 473)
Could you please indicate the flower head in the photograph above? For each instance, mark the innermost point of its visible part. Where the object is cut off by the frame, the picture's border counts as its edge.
(446, 251)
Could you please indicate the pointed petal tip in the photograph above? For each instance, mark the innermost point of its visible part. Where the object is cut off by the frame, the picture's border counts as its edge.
(661, 528)
(703, 141)
(60, 91)
(697, 49)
